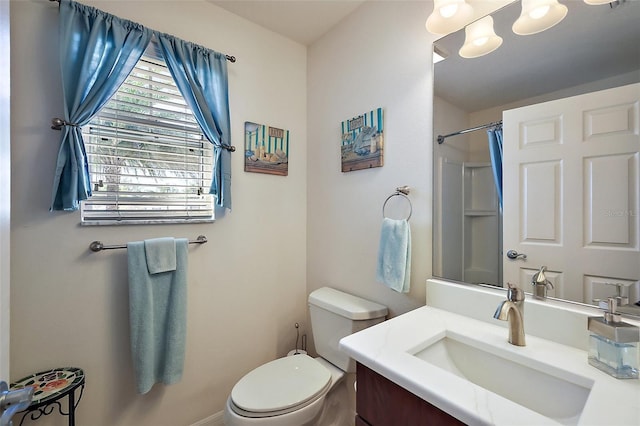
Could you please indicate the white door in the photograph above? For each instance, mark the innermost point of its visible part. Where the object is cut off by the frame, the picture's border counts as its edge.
(5, 189)
(571, 193)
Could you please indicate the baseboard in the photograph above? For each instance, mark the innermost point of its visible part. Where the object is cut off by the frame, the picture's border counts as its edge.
(213, 420)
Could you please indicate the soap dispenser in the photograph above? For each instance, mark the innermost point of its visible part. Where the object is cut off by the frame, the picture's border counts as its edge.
(613, 344)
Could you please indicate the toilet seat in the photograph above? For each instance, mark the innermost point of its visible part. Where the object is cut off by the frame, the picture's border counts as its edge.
(280, 386)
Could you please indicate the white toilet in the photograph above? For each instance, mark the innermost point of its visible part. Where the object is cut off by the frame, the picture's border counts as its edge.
(290, 391)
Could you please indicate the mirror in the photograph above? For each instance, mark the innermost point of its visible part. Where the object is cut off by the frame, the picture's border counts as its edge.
(594, 48)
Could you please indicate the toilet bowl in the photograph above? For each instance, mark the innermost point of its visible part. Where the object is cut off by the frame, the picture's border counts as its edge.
(288, 391)
(291, 391)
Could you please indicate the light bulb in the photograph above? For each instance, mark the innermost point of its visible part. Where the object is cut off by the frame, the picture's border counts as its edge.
(449, 10)
(448, 16)
(538, 15)
(480, 38)
(539, 12)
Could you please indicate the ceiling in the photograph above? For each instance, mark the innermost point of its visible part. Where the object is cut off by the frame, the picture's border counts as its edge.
(303, 21)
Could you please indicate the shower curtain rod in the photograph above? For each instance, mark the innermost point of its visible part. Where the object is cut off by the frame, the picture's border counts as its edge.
(230, 58)
(473, 129)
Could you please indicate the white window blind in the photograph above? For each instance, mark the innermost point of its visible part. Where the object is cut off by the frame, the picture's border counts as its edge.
(148, 159)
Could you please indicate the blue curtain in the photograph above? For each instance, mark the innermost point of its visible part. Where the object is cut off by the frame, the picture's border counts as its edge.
(495, 151)
(201, 76)
(97, 53)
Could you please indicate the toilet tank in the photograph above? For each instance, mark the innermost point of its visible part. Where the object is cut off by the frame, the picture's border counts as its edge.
(334, 315)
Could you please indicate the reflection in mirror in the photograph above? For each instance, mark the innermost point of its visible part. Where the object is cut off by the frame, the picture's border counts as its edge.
(574, 87)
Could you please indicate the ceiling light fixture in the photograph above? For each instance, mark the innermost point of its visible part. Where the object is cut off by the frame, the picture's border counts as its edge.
(539, 15)
(480, 39)
(448, 16)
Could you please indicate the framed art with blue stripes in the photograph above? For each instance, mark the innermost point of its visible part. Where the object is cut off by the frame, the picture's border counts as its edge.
(363, 141)
(266, 149)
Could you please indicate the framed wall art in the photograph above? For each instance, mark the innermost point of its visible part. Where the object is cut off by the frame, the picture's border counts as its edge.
(363, 141)
(266, 149)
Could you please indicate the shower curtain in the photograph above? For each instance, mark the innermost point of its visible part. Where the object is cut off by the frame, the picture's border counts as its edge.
(495, 152)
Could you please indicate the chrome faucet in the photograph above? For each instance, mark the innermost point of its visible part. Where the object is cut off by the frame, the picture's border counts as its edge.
(512, 310)
(13, 401)
(540, 284)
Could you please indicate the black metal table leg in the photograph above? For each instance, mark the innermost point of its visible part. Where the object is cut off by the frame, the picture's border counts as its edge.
(72, 409)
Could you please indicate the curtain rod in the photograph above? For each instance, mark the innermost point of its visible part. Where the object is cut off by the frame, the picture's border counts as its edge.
(230, 58)
(97, 246)
(473, 129)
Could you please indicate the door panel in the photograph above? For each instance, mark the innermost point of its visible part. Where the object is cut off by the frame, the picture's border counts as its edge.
(541, 195)
(608, 213)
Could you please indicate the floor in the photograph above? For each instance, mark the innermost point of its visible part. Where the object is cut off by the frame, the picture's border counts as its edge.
(340, 406)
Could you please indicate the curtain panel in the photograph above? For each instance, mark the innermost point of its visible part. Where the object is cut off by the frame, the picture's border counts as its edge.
(97, 53)
(495, 152)
(201, 76)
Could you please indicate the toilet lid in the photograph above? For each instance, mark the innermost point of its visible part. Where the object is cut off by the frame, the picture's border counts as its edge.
(281, 384)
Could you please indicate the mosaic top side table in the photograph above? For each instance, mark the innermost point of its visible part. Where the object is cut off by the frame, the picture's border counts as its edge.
(49, 388)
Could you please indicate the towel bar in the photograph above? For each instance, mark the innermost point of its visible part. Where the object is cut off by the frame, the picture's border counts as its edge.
(96, 246)
(402, 191)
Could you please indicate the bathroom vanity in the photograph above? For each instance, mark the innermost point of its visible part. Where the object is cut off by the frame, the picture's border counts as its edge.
(379, 401)
(450, 361)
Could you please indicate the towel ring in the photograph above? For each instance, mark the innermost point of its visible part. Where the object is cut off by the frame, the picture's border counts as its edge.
(402, 191)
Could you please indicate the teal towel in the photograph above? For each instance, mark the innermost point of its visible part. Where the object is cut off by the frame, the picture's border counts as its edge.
(394, 255)
(157, 316)
(160, 254)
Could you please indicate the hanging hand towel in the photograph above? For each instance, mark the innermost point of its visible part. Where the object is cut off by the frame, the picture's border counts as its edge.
(157, 315)
(160, 254)
(394, 255)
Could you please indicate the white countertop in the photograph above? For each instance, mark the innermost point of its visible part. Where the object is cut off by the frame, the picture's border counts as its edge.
(388, 348)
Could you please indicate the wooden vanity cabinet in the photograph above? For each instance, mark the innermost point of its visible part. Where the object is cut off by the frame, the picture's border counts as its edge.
(380, 402)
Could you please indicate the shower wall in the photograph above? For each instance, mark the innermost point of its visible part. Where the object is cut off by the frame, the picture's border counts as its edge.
(467, 230)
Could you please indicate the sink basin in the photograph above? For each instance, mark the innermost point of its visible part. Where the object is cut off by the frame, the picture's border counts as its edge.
(556, 394)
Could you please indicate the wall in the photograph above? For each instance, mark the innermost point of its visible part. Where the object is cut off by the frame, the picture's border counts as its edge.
(462, 229)
(448, 253)
(246, 286)
(379, 56)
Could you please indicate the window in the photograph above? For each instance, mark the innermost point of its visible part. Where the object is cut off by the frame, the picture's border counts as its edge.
(148, 159)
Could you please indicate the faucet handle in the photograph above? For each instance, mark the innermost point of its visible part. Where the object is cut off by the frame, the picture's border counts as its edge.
(540, 281)
(539, 277)
(611, 315)
(514, 293)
